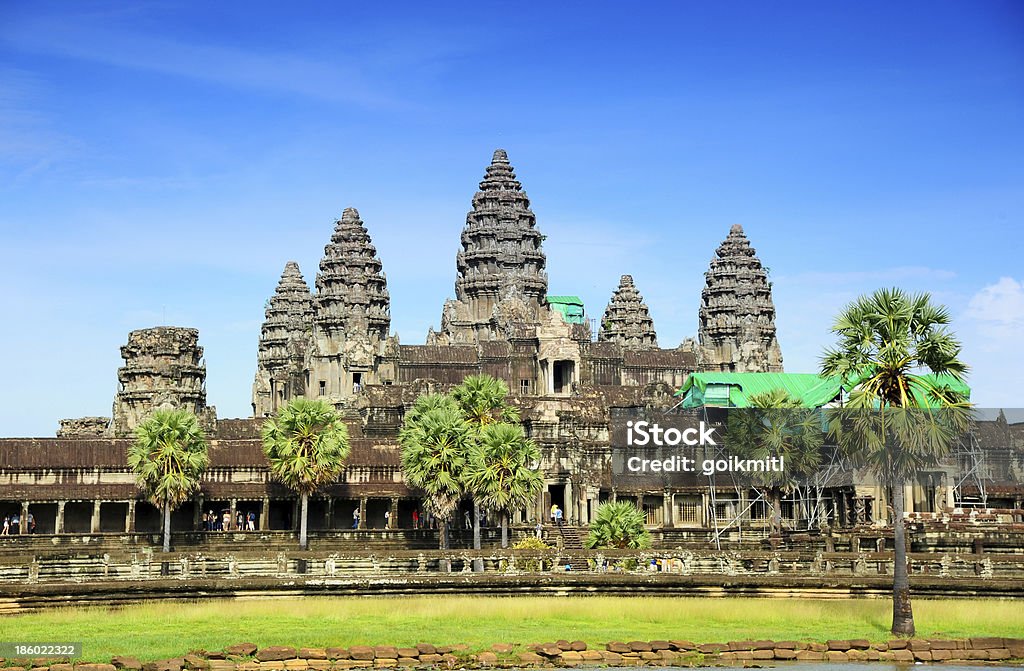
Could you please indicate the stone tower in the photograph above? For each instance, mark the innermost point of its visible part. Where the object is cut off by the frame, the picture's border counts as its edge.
(351, 312)
(627, 320)
(501, 279)
(284, 343)
(737, 316)
(163, 369)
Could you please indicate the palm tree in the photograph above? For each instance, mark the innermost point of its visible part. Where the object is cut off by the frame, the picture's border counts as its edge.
(483, 400)
(504, 473)
(906, 402)
(620, 525)
(306, 446)
(169, 456)
(777, 425)
(436, 446)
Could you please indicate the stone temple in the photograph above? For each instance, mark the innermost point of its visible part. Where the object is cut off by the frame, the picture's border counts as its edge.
(333, 342)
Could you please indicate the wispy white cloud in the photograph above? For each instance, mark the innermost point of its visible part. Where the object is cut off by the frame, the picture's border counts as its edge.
(998, 312)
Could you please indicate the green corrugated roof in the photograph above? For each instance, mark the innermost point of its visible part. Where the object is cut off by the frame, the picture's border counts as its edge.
(571, 300)
(570, 307)
(813, 390)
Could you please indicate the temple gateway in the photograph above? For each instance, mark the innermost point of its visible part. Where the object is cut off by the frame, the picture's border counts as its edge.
(570, 376)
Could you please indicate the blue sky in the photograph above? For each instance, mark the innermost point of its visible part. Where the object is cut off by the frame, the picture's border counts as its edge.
(160, 162)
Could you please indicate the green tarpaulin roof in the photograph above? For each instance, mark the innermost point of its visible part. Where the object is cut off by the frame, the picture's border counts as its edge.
(813, 390)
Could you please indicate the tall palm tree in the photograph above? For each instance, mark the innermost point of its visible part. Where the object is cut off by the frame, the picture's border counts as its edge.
(906, 403)
(436, 446)
(484, 401)
(504, 473)
(777, 425)
(618, 525)
(169, 456)
(306, 445)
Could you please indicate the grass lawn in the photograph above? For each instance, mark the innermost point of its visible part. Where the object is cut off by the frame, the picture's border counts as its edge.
(159, 630)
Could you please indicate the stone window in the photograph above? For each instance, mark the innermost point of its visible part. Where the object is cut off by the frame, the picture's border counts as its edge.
(323, 387)
(524, 387)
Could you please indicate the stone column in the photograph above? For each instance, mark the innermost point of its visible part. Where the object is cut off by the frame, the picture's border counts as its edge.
(615, 496)
(23, 527)
(234, 513)
(570, 504)
(329, 513)
(362, 512)
(666, 509)
(393, 522)
(197, 511)
(58, 524)
(129, 518)
(704, 520)
(94, 524)
(265, 514)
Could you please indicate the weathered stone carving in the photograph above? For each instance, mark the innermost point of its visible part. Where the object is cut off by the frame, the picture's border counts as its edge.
(737, 315)
(163, 369)
(627, 320)
(84, 427)
(284, 343)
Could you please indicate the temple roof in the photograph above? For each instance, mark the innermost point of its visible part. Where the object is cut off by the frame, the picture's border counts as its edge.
(627, 320)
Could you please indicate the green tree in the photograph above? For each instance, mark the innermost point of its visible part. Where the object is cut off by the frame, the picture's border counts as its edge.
(618, 525)
(169, 455)
(306, 445)
(503, 475)
(484, 401)
(436, 446)
(906, 403)
(777, 425)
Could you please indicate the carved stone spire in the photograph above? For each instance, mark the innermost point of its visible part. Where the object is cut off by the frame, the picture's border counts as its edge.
(627, 320)
(737, 315)
(501, 273)
(284, 342)
(351, 290)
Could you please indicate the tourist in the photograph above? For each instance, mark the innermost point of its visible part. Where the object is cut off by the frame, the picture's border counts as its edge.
(387, 519)
(7, 527)
(16, 524)
(212, 521)
(227, 521)
(558, 516)
(469, 522)
(355, 518)
(415, 518)
(250, 521)
(31, 523)
(554, 507)
(240, 521)
(539, 530)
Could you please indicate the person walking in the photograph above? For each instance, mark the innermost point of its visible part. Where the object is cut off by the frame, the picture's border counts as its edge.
(355, 518)
(387, 519)
(416, 518)
(558, 516)
(250, 521)
(539, 530)
(7, 526)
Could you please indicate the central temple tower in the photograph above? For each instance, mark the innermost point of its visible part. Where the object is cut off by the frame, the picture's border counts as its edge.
(501, 280)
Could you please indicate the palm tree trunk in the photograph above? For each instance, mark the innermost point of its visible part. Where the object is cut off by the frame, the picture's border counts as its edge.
(504, 528)
(302, 520)
(445, 564)
(476, 525)
(167, 526)
(902, 613)
(776, 512)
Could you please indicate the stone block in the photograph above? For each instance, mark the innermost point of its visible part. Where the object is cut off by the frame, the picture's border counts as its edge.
(763, 654)
(528, 658)
(941, 644)
(898, 644)
(639, 646)
(918, 645)
(764, 644)
(881, 647)
(248, 666)
(336, 653)
(737, 646)
(786, 645)
(578, 646)
(785, 653)
(728, 656)
(887, 656)
(649, 656)
(836, 656)
(408, 661)
(977, 654)
(872, 655)
(123, 662)
(313, 653)
(817, 647)
(838, 645)
(611, 658)
(657, 646)
(986, 643)
(428, 658)
(296, 665)
(363, 652)
(426, 649)
(344, 664)
(385, 662)
(563, 644)
(999, 653)
(941, 655)
(384, 652)
(592, 655)
(487, 658)
(313, 665)
(860, 644)
(90, 667)
(683, 645)
(922, 655)
(173, 664)
(617, 647)
(712, 648)
(408, 652)
(810, 656)
(903, 655)
(194, 661)
(276, 653)
(855, 655)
